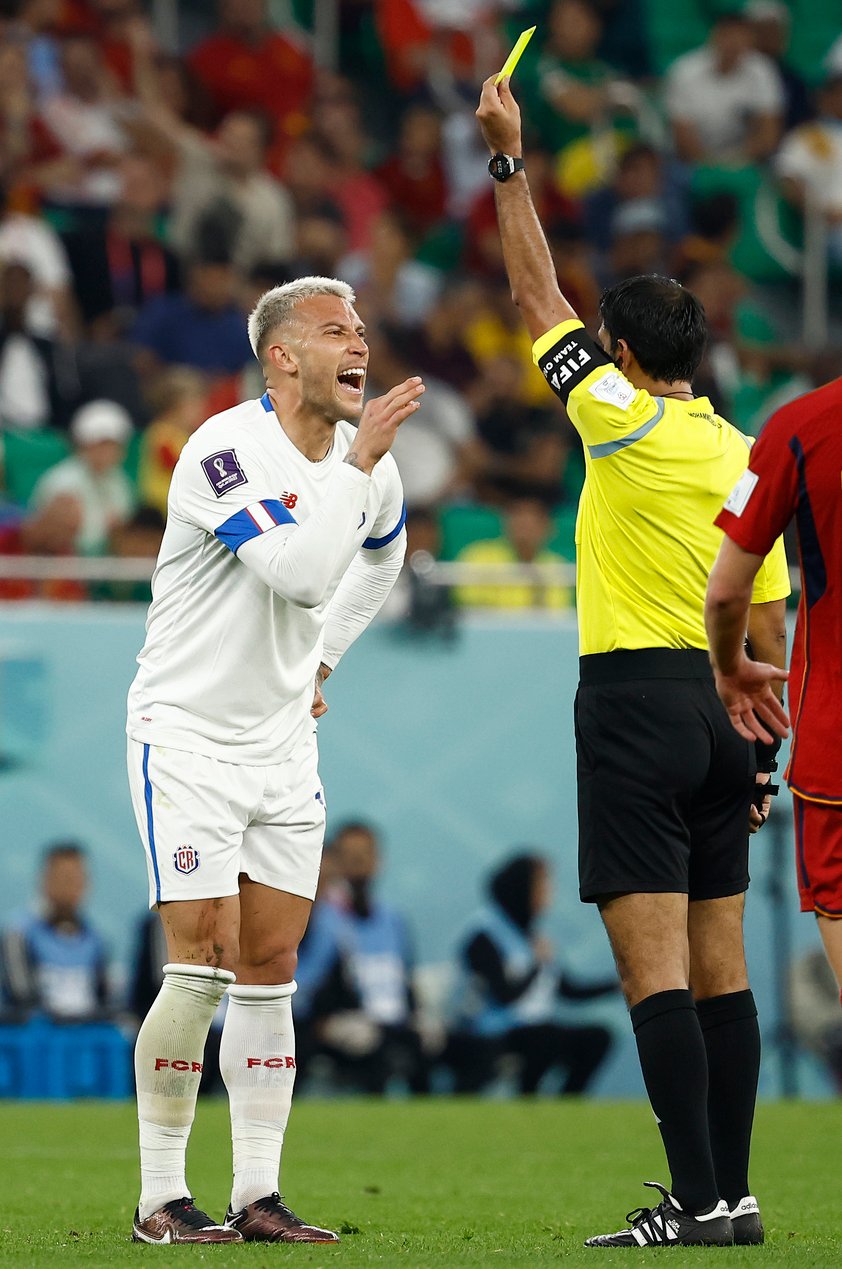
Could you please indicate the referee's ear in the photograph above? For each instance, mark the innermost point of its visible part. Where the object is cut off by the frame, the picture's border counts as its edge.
(623, 356)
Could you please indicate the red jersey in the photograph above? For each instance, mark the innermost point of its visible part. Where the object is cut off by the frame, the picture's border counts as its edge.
(796, 470)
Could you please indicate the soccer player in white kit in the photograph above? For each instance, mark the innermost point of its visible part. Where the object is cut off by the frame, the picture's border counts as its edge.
(284, 536)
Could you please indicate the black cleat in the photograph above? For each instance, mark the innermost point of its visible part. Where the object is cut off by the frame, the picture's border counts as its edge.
(667, 1225)
(180, 1221)
(748, 1227)
(269, 1220)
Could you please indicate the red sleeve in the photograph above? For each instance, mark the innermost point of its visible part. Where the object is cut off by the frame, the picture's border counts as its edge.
(763, 501)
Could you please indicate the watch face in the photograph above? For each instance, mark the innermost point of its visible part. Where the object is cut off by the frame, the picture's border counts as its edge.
(500, 166)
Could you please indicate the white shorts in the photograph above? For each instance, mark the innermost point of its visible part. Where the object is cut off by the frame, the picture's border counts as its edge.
(203, 822)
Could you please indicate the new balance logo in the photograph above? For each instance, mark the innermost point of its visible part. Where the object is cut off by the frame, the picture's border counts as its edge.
(288, 499)
(178, 1065)
(273, 1063)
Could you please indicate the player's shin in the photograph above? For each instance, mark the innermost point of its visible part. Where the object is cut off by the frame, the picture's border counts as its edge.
(168, 1067)
(257, 1061)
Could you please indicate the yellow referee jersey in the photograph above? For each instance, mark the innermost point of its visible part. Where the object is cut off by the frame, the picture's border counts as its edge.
(657, 472)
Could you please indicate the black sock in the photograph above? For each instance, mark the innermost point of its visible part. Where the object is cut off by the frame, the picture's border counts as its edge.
(732, 1039)
(675, 1071)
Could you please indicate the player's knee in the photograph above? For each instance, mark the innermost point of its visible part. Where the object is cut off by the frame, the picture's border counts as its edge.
(270, 963)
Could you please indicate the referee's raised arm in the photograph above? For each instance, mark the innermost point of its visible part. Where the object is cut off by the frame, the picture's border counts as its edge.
(529, 264)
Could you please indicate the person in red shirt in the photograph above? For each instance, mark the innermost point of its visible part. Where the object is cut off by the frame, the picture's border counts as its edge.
(794, 471)
(246, 66)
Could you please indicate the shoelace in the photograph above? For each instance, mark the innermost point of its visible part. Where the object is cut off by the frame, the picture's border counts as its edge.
(275, 1203)
(188, 1213)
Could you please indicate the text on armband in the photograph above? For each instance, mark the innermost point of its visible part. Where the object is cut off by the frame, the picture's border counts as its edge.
(565, 363)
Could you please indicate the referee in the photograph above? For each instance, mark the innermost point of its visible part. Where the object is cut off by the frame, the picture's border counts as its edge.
(665, 785)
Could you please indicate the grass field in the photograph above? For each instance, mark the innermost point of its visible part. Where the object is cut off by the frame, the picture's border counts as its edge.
(412, 1183)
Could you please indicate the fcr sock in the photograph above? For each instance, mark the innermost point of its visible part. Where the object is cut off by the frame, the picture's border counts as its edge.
(674, 1065)
(732, 1041)
(168, 1067)
(257, 1062)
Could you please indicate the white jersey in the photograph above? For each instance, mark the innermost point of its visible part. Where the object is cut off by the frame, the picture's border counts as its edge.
(233, 644)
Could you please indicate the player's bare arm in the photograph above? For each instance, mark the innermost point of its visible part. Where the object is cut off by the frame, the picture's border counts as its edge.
(529, 264)
(746, 687)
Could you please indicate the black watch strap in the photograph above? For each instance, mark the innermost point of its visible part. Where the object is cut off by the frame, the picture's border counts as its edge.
(502, 166)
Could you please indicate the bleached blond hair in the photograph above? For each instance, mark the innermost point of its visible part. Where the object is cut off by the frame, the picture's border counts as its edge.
(276, 307)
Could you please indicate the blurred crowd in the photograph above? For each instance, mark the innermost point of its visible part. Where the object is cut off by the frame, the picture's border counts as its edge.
(500, 1016)
(149, 194)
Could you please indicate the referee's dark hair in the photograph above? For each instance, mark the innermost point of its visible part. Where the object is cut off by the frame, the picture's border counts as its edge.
(663, 324)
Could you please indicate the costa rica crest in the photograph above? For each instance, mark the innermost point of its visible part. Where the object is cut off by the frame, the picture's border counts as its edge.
(186, 859)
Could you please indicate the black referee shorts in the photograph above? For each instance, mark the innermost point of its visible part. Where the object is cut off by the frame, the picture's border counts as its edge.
(664, 781)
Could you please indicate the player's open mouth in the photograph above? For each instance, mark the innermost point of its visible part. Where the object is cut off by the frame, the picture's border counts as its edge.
(352, 380)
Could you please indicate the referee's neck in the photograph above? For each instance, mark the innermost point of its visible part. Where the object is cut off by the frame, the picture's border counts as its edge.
(680, 390)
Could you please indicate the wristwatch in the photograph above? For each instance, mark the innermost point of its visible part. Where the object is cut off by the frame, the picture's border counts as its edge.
(502, 166)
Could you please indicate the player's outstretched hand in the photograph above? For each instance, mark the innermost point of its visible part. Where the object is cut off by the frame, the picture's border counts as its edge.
(499, 118)
(380, 421)
(750, 701)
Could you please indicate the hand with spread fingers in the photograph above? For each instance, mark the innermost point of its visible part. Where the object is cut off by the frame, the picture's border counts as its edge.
(747, 694)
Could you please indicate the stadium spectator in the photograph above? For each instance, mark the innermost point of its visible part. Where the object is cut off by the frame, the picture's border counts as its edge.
(86, 118)
(510, 989)
(177, 398)
(809, 162)
(725, 100)
(50, 531)
(814, 1014)
(642, 173)
(54, 962)
(200, 327)
(93, 475)
(439, 455)
(527, 531)
(483, 253)
(321, 242)
(121, 260)
(391, 283)
(567, 88)
(414, 176)
(356, 976)
(29, 153)
(771, 26)
(224, 175)
(672, 896)
(338, 123)
(244, 65)
(527, 448)
(30, 241)
(38, 381)
(439, 346)
(639, 242)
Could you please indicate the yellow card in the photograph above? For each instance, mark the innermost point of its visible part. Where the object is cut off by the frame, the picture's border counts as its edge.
(516, 54)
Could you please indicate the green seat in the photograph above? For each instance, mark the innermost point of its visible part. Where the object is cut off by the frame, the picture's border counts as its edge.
(26, 456)
(462, 525)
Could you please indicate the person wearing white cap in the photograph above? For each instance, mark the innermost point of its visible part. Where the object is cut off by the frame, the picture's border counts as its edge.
(93, 474)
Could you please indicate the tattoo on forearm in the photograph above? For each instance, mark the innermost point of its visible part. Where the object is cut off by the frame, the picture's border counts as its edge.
(352, 459)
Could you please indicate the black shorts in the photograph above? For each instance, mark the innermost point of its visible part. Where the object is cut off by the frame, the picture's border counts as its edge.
(664, 781)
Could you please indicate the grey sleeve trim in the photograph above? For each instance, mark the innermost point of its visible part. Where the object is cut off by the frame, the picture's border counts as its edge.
(611, 447)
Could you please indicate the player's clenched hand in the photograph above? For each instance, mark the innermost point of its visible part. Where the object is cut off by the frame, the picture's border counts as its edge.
(320, 705)
(380, 421)
(757, 818)
(753, 707)
(499, 118)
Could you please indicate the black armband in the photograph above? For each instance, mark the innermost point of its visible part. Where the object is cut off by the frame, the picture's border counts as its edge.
(571, 360)
(767, 753)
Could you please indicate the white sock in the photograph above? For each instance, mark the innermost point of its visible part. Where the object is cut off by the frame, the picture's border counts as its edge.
(257, 1061)
(168, 1067)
